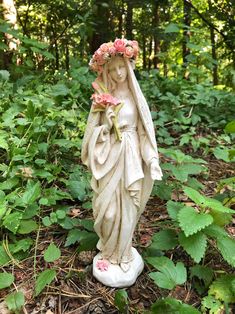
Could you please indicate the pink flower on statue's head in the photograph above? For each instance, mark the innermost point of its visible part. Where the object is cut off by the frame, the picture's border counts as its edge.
(104, 47)
(135, 46)
(120, 45)
(129, 52)
(102, 264)
(112, 50)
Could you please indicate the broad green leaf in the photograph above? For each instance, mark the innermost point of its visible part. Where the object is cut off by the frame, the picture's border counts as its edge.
(215, 231)
(77, 189)
(88, 224)
(222, 153)
(162, 190)
(194, 245)
(30, 211)
(164, 240)
(15, 301)
(9, 183)
(43, 279)
(173, 209)
(6, 280)
(222, 289)
(203, 273)
(61, 214)
(3, 143)
(169, 275)
(89, 242)
(220, 218)
(60, 90)
(3, 210)
(22, 245)
(52, 253)
(194, 196)
(217, 205)
(4, 258)
(121, 301)
(46, 221)
(32, 192)
(12, 221)
(230, 127)
(75, 235)
(27, 226)
(172, 306)
(213, 305)
(226, 246)
(172, 28)
(194, 46)
(191, 221)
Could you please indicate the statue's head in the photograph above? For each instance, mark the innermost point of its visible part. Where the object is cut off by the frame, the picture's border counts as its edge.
(122, 48)
(117, 69)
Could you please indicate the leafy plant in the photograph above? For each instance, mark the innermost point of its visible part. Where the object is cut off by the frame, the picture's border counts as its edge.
(178, 173)
(171, 305)
(121, 301)
(169, 275)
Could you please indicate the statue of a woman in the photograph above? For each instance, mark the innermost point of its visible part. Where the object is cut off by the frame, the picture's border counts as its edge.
(123, 167)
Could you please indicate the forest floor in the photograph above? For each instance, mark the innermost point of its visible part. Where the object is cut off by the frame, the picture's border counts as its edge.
(76, 291)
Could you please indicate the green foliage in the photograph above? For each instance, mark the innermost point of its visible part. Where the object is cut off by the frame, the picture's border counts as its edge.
(164, 240)
(6, 280)
(121, 301)
(223, 289)
(15, 301)
(202, 277)
(194, 245)
(171, 305)
(191, 221)
(52, 253)
(169, 275)
(43, 279)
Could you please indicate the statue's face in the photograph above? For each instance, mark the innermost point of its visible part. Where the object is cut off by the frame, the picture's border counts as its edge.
(117, 69)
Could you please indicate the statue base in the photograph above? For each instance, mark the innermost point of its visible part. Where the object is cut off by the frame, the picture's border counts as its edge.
(115, 276)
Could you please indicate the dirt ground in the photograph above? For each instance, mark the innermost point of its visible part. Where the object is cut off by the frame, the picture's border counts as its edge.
(76, 291)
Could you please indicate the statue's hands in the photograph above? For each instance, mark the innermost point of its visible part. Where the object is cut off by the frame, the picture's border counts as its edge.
(155, 170)
(109, 115)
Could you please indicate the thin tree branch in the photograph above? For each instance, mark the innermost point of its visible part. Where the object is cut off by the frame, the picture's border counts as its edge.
(227, 42)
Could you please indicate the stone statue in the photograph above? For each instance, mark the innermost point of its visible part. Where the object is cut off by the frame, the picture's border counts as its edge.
(120, 149)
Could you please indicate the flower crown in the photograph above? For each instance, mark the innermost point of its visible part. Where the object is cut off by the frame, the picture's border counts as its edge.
(120, 47)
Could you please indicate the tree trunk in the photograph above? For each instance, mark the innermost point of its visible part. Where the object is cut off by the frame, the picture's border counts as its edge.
(103, 29)
(150, 53)
(186, 37)
(155, 24)
(129, 20)
(67, 55)
(213, 51)
(10, 16)
(120, 20)
(144, 53)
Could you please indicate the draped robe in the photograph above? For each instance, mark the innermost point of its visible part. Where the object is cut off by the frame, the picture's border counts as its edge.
(120, 180)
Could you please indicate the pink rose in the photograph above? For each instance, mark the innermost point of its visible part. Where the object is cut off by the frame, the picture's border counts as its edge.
(97, 98)
(112, 50)
(120, 45)
(102, 264)
(109, 99)
(104, 47)
(128, 53)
